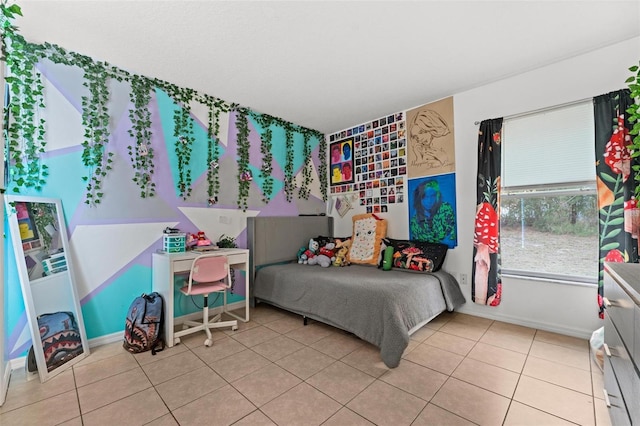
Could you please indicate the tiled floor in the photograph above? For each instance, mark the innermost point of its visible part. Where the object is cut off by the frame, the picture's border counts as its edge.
(457, 370)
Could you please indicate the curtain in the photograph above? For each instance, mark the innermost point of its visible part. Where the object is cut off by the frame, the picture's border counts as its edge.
(617, 208)
(486, 287)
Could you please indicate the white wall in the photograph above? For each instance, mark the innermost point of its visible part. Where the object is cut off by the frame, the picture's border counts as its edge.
(565, 308)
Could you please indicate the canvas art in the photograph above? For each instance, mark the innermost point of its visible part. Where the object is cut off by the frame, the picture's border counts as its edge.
(432, 209)
(431, 148)
(341, 162)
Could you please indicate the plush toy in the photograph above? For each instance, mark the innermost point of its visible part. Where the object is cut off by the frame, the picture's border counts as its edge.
(309, 252)
(324, 257)
(341, 254)
(300, 254)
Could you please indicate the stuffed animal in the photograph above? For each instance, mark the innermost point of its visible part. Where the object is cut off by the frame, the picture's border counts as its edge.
(324, 257)
(341, 255)
(309, 252)
(300, 254)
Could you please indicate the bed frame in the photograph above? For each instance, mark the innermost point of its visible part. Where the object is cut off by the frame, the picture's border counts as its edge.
(382, 308)
(268, 245)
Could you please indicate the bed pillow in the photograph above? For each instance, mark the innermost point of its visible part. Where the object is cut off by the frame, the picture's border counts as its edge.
(418, 256)
(368, 231)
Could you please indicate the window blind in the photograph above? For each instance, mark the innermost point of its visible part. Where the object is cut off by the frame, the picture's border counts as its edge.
(550, 147)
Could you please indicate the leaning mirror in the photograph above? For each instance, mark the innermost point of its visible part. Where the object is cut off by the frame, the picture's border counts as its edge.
(45, 269)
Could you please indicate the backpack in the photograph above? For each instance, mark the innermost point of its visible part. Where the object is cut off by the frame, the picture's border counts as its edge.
(144, 325)
(60, 338)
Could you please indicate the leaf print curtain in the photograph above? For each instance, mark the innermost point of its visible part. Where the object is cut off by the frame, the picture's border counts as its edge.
(617, 207)
(486, 287)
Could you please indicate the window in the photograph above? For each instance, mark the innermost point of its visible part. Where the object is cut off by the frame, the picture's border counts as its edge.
(549, 217)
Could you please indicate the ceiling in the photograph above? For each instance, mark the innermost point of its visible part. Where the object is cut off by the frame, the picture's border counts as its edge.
(330, 65)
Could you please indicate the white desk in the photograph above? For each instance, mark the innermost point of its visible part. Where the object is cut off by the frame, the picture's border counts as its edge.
(166, 265)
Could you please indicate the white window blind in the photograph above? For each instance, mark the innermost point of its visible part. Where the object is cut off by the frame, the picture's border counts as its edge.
(551, 147)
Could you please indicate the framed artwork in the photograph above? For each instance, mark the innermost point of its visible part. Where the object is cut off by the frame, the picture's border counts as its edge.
(432, 209)
(341, 162)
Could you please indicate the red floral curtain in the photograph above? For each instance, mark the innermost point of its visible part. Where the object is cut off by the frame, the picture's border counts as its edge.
(486, 287)
(617, 207)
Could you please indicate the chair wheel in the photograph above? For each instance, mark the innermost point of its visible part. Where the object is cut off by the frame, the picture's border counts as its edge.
(208, 343)
(176, 341)
(234, 328)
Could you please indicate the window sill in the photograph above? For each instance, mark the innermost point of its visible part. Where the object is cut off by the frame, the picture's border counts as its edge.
(556, 280)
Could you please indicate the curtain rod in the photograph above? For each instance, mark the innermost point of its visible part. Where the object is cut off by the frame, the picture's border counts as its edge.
(537, 111)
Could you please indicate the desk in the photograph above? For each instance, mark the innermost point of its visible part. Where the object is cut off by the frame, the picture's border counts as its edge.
(166, 265)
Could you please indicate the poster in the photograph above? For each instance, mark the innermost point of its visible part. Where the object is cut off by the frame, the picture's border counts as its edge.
(431, 149)
(380, 161)
(432, 209)
(341, 162)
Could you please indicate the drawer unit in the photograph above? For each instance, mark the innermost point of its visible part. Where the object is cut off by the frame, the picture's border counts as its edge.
(613, 397)
(622, 365)
(622, 342)
(174, 243)
(620, 308)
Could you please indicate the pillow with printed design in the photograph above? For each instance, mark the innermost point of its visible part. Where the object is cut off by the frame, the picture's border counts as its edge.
(419, 256)
(368, 231)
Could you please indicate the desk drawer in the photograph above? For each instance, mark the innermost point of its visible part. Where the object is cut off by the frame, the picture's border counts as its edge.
(182, 265)
(617, 410)
(625, 372)
(620, 309)
(236, 259)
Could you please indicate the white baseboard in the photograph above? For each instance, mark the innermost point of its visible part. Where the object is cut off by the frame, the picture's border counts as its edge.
(540, 325)
(5, 382)
(17, 363)
(117, 336)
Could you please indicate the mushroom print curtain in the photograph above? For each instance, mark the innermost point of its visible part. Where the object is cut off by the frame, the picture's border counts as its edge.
(617, 207)
(486, 284)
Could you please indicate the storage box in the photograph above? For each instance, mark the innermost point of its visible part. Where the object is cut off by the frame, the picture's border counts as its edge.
(174, 243)
(54, 264)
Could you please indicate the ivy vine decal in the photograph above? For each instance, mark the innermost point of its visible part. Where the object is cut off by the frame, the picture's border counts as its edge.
(95, 119)
(213, 150)
(142, 152)
(244, 175)
(322, 164)
(304, 190)
(25, 130)
(267, 157)
(183, 131)
(289, 184)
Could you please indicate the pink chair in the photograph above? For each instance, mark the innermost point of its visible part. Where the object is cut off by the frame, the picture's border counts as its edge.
(207, 275)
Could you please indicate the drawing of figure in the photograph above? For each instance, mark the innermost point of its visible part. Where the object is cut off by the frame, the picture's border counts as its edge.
(346, 151)
(426, 126)
(337, 173)
(434, 220)
(346, 172)
(335, 154)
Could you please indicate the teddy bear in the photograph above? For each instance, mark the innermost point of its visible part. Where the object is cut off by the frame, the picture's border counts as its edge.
(341, 254)
(324, 257)
(309, 252)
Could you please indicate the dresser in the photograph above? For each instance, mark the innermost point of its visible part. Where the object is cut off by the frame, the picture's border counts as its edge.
(622, 342)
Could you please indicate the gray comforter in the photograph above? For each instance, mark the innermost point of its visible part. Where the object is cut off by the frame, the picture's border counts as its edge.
(381, 307)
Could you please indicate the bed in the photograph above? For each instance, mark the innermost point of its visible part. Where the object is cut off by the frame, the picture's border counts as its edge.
(381, 307)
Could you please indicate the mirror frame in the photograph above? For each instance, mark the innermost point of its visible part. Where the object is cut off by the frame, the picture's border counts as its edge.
(25, 283)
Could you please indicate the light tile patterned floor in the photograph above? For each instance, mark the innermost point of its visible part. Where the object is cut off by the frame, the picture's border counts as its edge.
(457, 370)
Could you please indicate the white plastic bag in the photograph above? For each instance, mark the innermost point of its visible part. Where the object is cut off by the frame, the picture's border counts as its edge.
(597, 346)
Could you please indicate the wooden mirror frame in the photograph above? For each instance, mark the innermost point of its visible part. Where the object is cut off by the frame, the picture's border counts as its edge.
(54, 290)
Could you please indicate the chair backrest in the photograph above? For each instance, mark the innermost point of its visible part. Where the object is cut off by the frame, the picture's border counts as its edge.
(209, 268)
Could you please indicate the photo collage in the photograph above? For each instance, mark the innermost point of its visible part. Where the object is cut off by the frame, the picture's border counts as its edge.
(376, 165)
